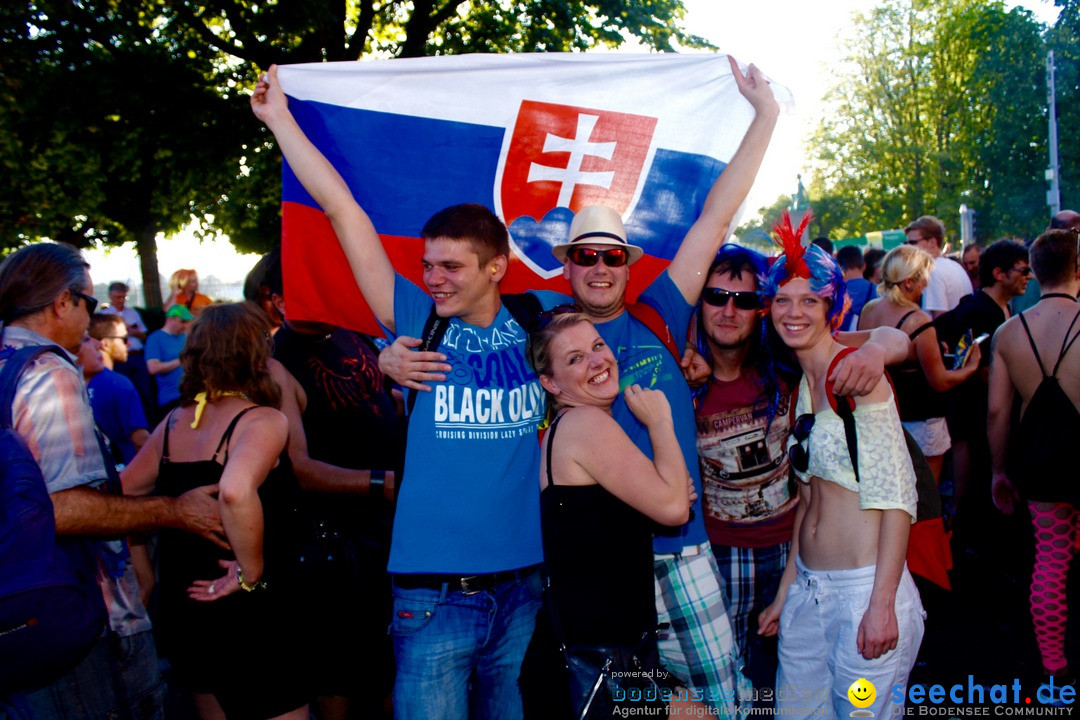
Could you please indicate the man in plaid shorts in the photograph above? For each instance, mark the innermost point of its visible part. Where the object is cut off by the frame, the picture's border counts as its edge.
(696, 642)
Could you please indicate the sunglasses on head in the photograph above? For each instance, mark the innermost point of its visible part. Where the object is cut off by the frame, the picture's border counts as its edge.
(91, 301)
(545, 317)
(587, 257)
(744, 299)
(799, 456)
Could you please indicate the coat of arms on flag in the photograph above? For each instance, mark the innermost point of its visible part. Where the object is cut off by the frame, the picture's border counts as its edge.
(534, 137)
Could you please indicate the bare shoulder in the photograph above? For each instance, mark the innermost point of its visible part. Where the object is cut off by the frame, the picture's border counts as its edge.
(881, 393)
(915, 321)
(263, 419)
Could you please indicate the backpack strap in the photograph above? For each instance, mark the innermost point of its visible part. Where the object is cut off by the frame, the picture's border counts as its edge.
(13, 369)
(434, 330)
(651, 318)
(845, 408)
(1066, 343)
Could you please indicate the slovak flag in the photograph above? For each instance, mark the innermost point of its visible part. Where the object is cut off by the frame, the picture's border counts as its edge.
(535, 137)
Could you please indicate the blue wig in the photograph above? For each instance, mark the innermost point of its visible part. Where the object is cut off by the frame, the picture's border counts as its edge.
(826, 280)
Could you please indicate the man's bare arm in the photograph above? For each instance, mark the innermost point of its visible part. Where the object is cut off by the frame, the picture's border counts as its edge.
(85, 511)
(156, 367)
(707, 234)
(374, 274)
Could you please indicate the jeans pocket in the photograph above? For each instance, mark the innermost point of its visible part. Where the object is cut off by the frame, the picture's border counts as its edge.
(411, 616)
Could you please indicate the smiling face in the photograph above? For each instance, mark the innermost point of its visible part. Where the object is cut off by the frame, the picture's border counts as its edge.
(461, 286)
(862, 693)
(729, 327)
(582, 369)
(799, 314)
(600, 290)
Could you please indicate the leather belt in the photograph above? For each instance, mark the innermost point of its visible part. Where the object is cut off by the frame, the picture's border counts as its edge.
(468, 584)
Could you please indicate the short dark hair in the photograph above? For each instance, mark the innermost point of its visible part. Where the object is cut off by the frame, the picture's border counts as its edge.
(871, 259)
(474, 223)
(850, 257)
(33, 277)
(1053, 257)
(1001, 255)
(266, 273)
(119, 287)
(824, 243)
(929, 225)
(103, 325)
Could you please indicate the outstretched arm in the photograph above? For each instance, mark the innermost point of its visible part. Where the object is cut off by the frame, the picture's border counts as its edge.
(370, 266)
(707, 234)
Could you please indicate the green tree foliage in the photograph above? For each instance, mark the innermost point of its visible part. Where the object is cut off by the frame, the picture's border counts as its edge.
(938, 104)
(1064, 40)
(124, 118)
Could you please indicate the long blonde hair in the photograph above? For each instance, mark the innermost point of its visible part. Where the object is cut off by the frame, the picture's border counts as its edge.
(903, 262)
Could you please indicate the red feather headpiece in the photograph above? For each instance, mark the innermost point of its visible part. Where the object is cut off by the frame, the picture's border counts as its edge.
(790, 242)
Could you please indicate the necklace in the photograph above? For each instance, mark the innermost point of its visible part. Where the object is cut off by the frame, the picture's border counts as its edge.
(1060, 295)
(201, 401)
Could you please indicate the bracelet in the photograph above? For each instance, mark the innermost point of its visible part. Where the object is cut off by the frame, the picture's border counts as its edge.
(245, 586)
(378, 480)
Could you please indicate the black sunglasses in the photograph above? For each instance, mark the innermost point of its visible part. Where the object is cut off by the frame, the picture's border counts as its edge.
(799, 456)
(744, 299)
(1025, 271)
(587, 257)
(541, 319)
(91, 301)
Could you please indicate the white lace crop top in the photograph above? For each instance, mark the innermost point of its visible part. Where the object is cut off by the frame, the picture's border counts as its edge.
(886, 476)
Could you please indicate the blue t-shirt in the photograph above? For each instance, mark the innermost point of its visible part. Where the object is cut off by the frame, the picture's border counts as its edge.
(470, 499)
(163, 346)
(643, 359)
(117, 410)
(861, 292)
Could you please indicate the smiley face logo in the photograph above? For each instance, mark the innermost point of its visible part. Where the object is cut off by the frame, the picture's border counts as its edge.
(862, 693)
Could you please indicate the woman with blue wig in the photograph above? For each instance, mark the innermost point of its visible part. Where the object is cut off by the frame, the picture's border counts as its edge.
(847, 608)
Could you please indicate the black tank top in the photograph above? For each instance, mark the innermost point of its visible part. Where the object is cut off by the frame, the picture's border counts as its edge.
(598, 552)
(915, 399)
(1042, 451)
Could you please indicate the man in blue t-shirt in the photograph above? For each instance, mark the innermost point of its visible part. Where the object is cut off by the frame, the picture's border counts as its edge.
(466, 548)
(163, 348)
(117, 409)
(698, 645)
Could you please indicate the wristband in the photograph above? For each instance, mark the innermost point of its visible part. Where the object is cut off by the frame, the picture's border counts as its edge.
(378, 480)
(246, 587)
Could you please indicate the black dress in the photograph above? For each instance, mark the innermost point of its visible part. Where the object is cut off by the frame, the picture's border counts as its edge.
(242, 648)
(598, 554)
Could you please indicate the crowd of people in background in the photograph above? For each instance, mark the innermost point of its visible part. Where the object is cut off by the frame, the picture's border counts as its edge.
(717, 483)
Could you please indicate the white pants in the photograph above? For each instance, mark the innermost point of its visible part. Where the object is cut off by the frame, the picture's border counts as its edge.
(819, 659)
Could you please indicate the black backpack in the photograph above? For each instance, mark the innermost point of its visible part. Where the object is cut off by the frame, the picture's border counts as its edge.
(51, 608)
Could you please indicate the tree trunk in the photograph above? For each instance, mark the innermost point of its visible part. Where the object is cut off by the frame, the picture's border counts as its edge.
(147, 247)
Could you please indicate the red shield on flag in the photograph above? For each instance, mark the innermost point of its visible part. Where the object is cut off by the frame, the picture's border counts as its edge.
(572, 157)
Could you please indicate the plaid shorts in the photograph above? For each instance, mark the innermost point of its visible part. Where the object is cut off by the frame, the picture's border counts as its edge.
(751, 579)
(699, 646)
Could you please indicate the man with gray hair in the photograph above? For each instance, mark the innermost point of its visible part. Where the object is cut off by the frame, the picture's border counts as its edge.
(45, 300)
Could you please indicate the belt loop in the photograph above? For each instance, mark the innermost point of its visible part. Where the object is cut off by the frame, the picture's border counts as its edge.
(443, 592)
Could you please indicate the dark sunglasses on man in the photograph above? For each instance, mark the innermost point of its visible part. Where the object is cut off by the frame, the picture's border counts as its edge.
(744, 299)
(587, 257)
(91, 301)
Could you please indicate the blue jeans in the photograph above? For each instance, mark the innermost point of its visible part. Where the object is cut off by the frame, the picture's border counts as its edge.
(88, 691)
(458, 655)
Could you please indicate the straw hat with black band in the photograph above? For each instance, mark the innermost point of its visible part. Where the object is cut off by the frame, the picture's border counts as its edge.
(597, 225)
